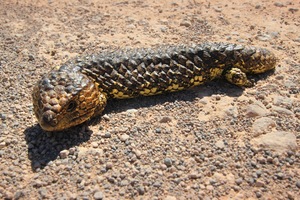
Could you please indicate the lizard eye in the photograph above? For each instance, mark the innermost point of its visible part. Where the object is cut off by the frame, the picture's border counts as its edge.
(71, 106)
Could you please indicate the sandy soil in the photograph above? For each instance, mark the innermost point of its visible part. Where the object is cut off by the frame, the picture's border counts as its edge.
(212, 142)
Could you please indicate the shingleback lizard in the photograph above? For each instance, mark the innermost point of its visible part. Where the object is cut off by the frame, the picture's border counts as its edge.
(78, 90)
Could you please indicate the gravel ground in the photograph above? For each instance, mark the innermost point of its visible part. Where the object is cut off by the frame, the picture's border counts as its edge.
(215, 141)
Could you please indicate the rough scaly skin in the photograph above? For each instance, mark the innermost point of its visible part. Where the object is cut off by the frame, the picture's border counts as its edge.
(79, 89)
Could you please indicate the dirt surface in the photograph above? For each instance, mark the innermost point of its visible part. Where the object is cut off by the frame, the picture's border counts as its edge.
(215, 141)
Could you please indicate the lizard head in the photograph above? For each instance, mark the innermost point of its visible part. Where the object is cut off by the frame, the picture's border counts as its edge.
(63, 98)
(255, 60)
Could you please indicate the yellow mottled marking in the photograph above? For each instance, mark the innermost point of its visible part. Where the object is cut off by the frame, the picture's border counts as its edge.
(120, 94)
(169, 88)
(153, 90)
(81, 98)
(198, 78)
(192, 80)
(215, 72)
(175, 86)
(147, 91)
(114, 91)
(83, 105)
(196, 83)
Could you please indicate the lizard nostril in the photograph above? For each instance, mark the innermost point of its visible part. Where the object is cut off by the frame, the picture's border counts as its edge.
(49, 118)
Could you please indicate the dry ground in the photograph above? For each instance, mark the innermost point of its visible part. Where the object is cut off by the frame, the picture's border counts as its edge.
(212, 142)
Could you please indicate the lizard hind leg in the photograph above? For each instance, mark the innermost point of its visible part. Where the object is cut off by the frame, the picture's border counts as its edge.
(237, 77)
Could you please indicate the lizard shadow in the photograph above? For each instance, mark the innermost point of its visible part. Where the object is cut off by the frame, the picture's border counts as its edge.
(44, 147)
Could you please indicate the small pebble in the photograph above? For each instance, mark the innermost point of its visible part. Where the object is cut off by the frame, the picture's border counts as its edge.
(43, 192)
(259, 183)
(94, 144)
(131, 111)
(64, 154)
(2, 145)
(218, 97)
(250, 181)
(141, 190)
(280, 176)
(218, 9)
(293, 10)
(3, 116)
(211, 188)
(107, 135)
(185, 23)
(157, 184)
(19, 195)
(270, 159)
(239, 181)
(165, 119)
(276, 161)
(193, 175)
(236, 188)
(72, 150)
(279, 4)
(258, 173)
(261, 160)
(30, 57)
(109, 165)
(98, 195)
(163, 29)
(124, 137)
(298, 184)
(137, 152)
(255, 110)
(258, 6)
(157, 130)
(106, 117)
(124, 183)
(168, 162)
(220, 144)
(263, 37)
(131, 26)
(258, 194)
